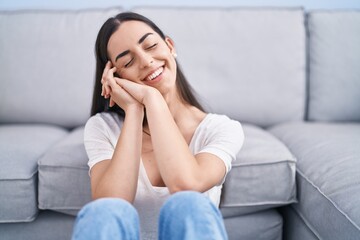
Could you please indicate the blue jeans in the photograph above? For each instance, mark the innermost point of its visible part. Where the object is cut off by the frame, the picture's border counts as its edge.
(185, 215)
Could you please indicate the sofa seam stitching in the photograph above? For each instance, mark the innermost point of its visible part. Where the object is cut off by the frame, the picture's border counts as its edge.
(331, 201)
(258, 204)
(265, 163)
(21, 179)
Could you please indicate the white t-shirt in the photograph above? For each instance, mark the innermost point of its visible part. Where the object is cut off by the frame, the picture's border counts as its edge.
(216, 134)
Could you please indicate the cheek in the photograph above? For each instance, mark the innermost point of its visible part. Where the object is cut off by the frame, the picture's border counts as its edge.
(129, 74)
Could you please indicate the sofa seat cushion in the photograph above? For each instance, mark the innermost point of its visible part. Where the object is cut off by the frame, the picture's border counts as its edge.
(262, 177)
(264, 225)
(328, 176)
(256, 181)
(21, 146)
(47, 225)
(64, 182)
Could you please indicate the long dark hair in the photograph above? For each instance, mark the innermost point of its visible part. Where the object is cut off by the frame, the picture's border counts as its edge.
(100, 104)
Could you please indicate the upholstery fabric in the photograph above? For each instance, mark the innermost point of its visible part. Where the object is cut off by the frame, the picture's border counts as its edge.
(334, 64)
(47, 225)
(294, 226)
(18, 171)
(259, 181)
(328, 176)
(264, 225)
(64, 182)
(52, 71)
(255, 56)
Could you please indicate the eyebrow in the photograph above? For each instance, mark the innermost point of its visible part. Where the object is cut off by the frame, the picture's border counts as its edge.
(142, 39)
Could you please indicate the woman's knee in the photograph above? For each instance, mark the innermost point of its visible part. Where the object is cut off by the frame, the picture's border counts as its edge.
(188, 200)
(109, 208)
(190, 215)
(185, 203)
(107, 218)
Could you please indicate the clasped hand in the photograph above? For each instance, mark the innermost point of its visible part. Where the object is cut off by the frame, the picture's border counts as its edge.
(122, 92)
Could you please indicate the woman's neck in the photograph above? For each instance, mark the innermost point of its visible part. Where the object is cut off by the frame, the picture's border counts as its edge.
(177, 107)
(186, 116)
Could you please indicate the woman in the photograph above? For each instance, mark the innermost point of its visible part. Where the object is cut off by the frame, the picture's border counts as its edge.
(152, 149)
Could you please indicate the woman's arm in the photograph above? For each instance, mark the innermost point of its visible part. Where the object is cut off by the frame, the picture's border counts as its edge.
(119, 176)
(179, 168)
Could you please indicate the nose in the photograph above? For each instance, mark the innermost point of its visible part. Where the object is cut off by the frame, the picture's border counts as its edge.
(145, 59)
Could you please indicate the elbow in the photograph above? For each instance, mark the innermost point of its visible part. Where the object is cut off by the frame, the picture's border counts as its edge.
(179, 185)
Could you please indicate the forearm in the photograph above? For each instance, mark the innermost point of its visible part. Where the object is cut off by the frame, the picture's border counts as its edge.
(121, 176)
(176, 163)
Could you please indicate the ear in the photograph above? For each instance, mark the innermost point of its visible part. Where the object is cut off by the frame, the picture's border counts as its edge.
(170, 44)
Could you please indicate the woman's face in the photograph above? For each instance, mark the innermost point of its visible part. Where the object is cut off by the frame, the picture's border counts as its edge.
(142, 56)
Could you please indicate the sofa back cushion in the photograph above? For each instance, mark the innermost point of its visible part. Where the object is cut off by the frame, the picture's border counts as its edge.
(248, 63)
(47, 65)
(334, 58)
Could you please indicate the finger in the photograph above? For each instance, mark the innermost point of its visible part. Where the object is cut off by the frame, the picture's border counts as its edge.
(105, 72)
(107, 89)
(109, 81)
(112, 103)
(129, 86)
(106, 69)
(103, 79)
(111, 72)
(120, 81)
(110, 77)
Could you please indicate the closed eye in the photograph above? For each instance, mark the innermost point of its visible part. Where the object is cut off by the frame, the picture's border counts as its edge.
(151, 47)
(128, 64)
(148, 48)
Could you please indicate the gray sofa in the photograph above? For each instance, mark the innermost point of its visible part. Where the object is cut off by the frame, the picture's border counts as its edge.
(292, 78)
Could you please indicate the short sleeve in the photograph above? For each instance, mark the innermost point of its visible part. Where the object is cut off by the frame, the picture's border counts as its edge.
(97, 141)
(224, 140)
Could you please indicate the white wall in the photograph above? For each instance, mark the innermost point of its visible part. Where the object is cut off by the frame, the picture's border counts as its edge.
(128, 4)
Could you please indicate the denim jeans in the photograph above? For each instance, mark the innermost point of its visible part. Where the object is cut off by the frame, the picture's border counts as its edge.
(184, 215)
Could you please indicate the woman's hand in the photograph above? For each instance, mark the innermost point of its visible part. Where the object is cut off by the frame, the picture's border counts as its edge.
(142, 93)
(117, 94)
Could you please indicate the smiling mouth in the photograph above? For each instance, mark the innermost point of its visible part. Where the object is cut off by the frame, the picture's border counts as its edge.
(155, 74)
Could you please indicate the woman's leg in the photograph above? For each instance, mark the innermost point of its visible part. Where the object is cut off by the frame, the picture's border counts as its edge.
(107, 218)
(190, 215)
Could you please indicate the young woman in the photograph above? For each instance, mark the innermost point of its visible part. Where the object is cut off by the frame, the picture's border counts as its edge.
(153, 151)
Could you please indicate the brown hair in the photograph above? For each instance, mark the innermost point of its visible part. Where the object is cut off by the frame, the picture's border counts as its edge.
(100, 104)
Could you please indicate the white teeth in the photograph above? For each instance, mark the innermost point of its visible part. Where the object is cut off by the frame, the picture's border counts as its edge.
(155, 74)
